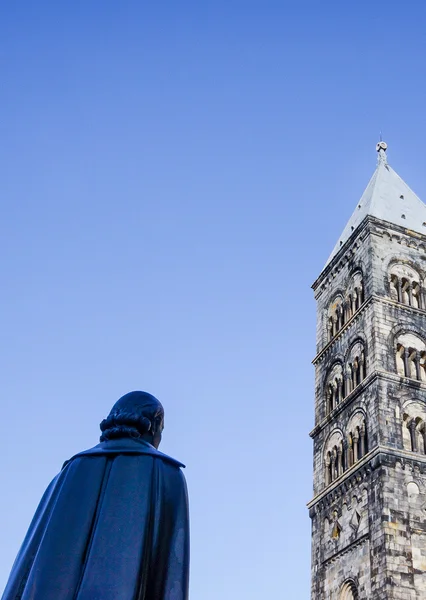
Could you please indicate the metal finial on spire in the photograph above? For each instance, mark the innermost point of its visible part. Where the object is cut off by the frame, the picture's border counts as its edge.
(381, 148)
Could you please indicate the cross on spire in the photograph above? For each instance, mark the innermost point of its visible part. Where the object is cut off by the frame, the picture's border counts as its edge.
(381, 148)
(388, 198)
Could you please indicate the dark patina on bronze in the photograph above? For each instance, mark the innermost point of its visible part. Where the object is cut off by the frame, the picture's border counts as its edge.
(113, 524)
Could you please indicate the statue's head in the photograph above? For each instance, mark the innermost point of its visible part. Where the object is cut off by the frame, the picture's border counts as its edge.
(136, 415)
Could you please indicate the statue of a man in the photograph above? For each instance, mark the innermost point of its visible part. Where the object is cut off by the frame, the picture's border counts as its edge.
(113, 524)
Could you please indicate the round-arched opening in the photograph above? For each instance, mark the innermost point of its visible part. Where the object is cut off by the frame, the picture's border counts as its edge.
(349, 591)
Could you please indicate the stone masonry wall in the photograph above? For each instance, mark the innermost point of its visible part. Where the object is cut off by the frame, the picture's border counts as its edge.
(369, 523)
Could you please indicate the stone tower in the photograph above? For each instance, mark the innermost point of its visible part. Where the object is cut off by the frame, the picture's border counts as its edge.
(369, 506)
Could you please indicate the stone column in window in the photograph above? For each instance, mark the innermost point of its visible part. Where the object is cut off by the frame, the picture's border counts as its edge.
(422, 366)
(354, 367)
(327, 402)
(406, 362)
(362, 370)
(353, 303)
(340, 388)
(335, 327)
(423, 439)
(350, 451)
(416, 358)
(357, 298)
(412, 373)
(336, 392)
(416, 294)
(333, 465)
(404, 292)
(327, 470)
(348, 308)
(399, 289)
(362, 433)
(410, 294)
(339, 461)
(345, 458)
(361, 293)
(355, 440)
(339, 313)
(348, 380)
(412, 429)
(330, 329)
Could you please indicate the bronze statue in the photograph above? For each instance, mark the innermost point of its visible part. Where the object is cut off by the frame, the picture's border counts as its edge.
(113, 524)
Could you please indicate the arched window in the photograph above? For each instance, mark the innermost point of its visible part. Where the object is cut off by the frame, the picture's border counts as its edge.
(342, 308)
(414, 428)
(357, 443)
(330, 328)
(334, 460)
(330, 398)
(349, 591)
(355, 293)
(356, 370)
(405, 296)
(405, 285)
(400, 367)
(406, 433)
(348, 307)
(394, 283)
(336, 317)
(412, 363)
(340, 455)
(421, 439)
(416, 295)
(410, 357)
(358, 297)
(334, 392)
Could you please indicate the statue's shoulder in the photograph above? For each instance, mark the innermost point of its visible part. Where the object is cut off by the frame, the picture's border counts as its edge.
(126, 446)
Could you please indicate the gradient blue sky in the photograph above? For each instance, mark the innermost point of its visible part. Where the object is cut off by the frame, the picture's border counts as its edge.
(174, 176)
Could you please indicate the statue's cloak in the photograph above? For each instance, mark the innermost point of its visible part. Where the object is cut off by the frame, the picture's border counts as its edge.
(112, 525)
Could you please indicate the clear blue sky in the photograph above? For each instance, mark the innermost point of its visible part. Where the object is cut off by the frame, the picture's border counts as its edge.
(173, 177)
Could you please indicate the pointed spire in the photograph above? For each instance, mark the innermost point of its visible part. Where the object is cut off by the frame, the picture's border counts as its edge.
(381, 148)
(388, 198)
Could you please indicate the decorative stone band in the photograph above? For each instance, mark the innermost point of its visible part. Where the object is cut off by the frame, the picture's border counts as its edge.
(347, 549)
(377, 374)
(379, 456)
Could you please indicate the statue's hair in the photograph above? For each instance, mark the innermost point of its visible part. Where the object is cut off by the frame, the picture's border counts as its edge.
(134, 415)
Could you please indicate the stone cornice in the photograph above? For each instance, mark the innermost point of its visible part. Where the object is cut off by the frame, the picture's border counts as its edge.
(415, 384)
(358, 542)
(346, 481)
(370, 225)
(376, 374)
(374, 298)
(399, 305)
(379, 456)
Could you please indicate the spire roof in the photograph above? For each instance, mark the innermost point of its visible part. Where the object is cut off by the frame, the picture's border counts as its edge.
(386, 197)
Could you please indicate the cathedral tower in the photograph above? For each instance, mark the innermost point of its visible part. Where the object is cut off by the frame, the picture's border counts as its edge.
(369, 506)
